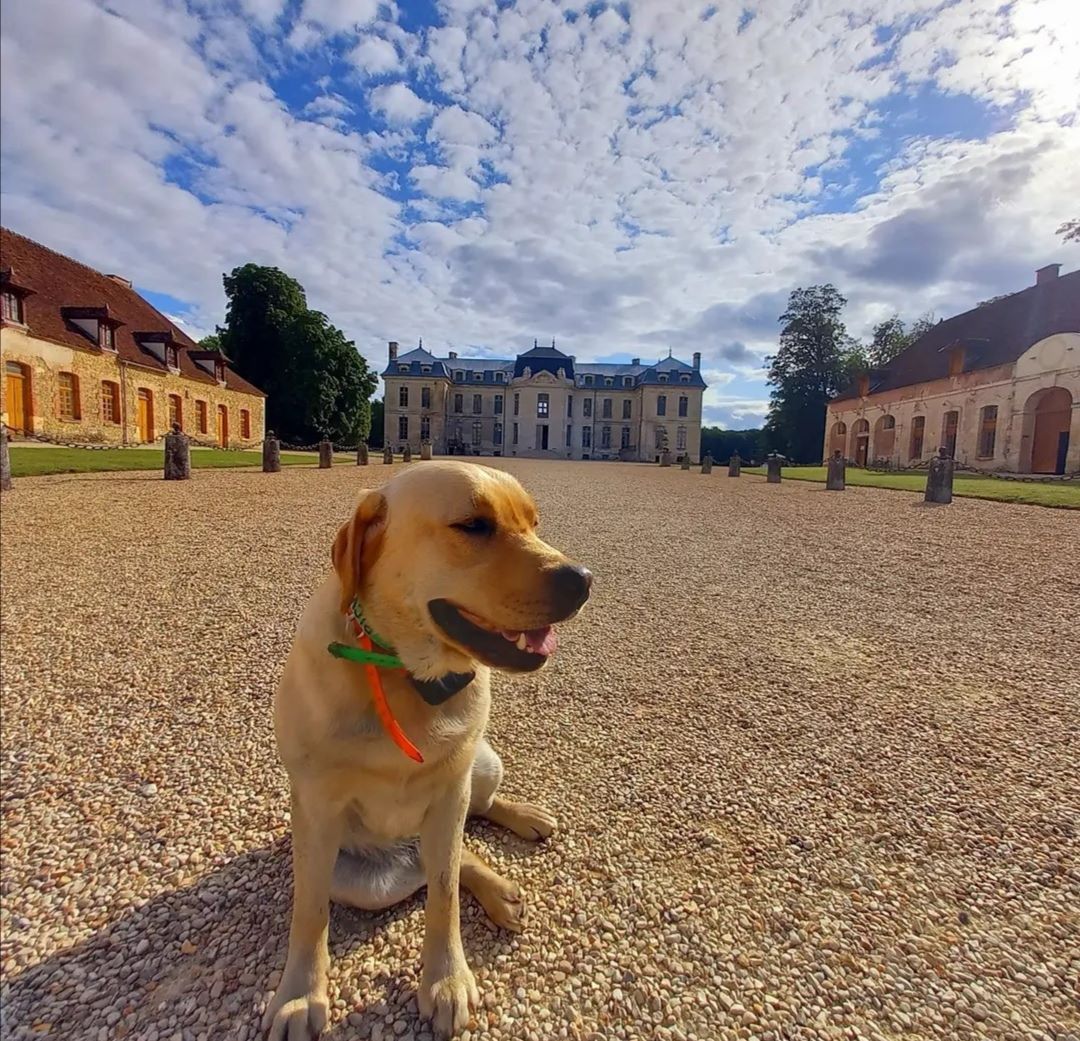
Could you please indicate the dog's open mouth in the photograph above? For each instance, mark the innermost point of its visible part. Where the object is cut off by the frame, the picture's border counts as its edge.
(501, 648)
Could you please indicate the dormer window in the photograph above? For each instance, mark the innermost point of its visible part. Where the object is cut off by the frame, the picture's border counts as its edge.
(685, 377)
(608, 381)
(106, 336)
(219, 372)
(13, 307)
(478, 376)
(498, 377)
(403, 368)
(425, 368)
(459, 375)
(662, 377)
(172, 357)
(627, 381)
(588, 381)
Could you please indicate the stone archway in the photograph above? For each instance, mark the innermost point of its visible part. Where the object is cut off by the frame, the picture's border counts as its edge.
(1048, 413)
(860, 442)
(884, 437)
(837, 439)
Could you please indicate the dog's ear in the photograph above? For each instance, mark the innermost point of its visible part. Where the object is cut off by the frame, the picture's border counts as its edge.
(357, 544)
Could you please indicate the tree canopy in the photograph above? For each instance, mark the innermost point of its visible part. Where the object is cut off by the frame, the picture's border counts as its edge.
(211, 342)
(316, 382)
(816, 360)
(891, 337)
(721, 444)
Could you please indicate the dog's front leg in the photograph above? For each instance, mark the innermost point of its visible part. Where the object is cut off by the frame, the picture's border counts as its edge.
(299, 1007)
(447, 988)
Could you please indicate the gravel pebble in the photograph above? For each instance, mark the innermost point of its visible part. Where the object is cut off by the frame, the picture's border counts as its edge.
(813, 755)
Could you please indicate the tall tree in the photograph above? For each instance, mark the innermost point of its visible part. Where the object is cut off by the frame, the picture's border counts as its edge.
(815, 361)
(891, 337)
(375, 438)
(210, 342)
(721, 444)
(316, 382)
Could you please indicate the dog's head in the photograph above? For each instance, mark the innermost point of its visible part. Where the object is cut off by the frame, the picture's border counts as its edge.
(446, 558)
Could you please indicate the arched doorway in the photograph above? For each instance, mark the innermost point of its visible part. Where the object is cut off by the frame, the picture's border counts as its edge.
(884, 437)
(17, 401)
(838, 439)
(1051, 412)
(860, 442)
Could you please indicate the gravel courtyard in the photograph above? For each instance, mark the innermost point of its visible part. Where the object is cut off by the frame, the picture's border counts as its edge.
(814, 755)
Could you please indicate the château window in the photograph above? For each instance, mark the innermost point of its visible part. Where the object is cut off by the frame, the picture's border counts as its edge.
(605, 437)
(69, 396)
(680, 439)
(515, 434)
(497, 438)
(425, 428)
(543, 404)
(588, 381)
(176, 413)
(628, 381)
(459, 403)
(403, 397)
(498, 404)
(517, 404)
(586, 437)
(624, 439)
(245, 424)
(987, 431)
(425, 397)
(661, 405)
(586, 409)
(627, 405)
(684, 405)
(606, 408)
(110, 401)
(13, 307)
(403, 428)
(459, 375)
(479, 376)
(477, 404)
(201, 417)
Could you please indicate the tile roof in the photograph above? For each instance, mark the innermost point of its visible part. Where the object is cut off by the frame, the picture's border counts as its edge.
(994, 334)
(65, 290)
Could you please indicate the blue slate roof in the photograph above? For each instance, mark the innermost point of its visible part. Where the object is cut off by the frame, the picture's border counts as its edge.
(544, 359)
(417, 361)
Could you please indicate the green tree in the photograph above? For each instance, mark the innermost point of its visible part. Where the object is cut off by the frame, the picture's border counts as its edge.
(1070, 231)
(721, 444)
(892, 337)
(210, 342)
(375, 438)
(316, 382)
(816, 360)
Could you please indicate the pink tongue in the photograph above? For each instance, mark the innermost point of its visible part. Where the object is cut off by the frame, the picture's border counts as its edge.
(542, 641)
(538, 641)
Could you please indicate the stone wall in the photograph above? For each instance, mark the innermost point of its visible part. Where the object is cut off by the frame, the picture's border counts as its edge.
(45, 361)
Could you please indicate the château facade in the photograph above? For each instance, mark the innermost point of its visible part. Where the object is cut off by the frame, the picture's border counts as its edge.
(542, 404)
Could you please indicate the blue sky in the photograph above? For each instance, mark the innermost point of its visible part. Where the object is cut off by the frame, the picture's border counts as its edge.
(627, 177)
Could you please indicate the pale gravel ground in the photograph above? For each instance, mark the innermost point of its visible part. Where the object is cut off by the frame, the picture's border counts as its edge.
(814, 756)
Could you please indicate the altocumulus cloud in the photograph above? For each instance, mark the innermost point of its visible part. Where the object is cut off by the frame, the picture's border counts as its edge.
(625, 177)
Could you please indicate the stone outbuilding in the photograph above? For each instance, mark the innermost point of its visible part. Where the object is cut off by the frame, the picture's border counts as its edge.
(997, 386)
(86, 358)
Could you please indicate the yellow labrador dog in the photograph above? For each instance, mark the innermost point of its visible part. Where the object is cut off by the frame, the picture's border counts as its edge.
(443, 568)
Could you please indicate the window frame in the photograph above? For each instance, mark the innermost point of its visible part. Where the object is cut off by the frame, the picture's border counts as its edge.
(245, 424)
(403, 397)
(459, 404)
(16, 313)
(179, 414)
(543, 405)
(982, 452)
(498, 404)
(112, 388)
(684, 406)
(661, 404)
(627, 408)
(73, 389)
(605, 408)
(403, 428)
(477, 404)
(202, 416)
(425, 397)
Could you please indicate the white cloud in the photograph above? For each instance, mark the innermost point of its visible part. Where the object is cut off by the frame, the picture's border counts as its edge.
(623, 183)
(397, 103)
(375, 56)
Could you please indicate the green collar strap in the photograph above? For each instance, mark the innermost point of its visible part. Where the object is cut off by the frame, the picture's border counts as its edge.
(384, 659)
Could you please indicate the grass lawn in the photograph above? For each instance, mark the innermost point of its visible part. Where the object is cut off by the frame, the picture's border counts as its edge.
(34, 462)
(1034, 493)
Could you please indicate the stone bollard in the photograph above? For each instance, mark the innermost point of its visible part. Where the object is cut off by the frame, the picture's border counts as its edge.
(406, 456)
(362, 454)
(425, 449)
(772, 469)
(177, 455)
(387, 455)
(939, 478)
(665, 458)
(5, 461)
(734, 466)
(685, 464)
(837, 470)
(271, 454)
(326, 454)
(706, 463)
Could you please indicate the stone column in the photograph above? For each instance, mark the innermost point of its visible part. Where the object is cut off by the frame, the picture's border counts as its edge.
(706, 463)
(734, 466)
(425, 449)
(177, 455)
(362, 454)
(685, 464)
(5, 461)
(939, 478)
(837, 465)
(665, 458)
(406, 456)
(271, 454)
(387, 455)
(772, 469)
(326, 454)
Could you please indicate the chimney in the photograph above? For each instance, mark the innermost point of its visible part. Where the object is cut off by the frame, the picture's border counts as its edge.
(453, 354)
(126, 282)
(697, 360)
(393, 350)
(1047, 274)
(636, 361)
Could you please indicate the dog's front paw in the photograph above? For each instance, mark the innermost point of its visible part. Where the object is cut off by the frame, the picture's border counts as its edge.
(534, 822)
(296, 1011)
(448, 1000)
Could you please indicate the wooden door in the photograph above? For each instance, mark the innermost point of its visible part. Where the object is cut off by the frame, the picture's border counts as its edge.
(223, 425)
(17, 379)
(145, 415)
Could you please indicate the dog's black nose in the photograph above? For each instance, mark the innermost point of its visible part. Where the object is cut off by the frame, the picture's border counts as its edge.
(570, 586)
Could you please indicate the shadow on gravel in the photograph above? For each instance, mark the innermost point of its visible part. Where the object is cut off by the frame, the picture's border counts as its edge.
(198, 961)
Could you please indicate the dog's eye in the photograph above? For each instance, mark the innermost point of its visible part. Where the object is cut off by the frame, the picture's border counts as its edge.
(475, 526)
